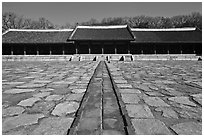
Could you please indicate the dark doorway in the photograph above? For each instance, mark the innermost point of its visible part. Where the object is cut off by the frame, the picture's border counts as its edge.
(109, 48)
(122, 48)
(96, 48)
(83, 48)
(6, 49)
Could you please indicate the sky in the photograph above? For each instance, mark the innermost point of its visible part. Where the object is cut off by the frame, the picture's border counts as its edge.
(67, 12)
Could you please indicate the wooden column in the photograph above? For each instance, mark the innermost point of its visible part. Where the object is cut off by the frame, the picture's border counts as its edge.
(24, 50)
(89, 47)
(11, 50)
(102, 50)
(50, 50)
(63, 50)
(168, 49)
(128, 48)
(37, 50)
(76, 48)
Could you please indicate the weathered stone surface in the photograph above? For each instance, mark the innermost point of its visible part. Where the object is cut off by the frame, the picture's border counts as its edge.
(154, 94)
(111, 132)
(167, 112)
(92, 112)
(190, 114)
(41, 95)
(130, 98)
(21, 120)
(139, 111)
(46, 89)
(15, 91)
(182, 100)
(188, 128)
(129, 91)
(11, 111)
(90, 124)
(28, 102)
(75, 97)
(124, 85)
(155, 101)
(31, 85)
(42, 107)
(12, 83)
(65, 108)
(150, 127)
(78, 91)
(197, 98)
(54, 98)
(53, 126)
(144, 87)
(110, 122)
(120, 81)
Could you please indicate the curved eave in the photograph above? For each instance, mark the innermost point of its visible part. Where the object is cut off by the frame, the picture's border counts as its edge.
(166, 42)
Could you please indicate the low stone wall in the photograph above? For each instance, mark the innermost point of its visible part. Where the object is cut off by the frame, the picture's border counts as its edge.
(36, 57)
(93, 57)
(166, 57)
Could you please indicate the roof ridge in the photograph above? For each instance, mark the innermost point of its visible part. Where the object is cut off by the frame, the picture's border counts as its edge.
(40, 30)
(166, 29)
(103, 27)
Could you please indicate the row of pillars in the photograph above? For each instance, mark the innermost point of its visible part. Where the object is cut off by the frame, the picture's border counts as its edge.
(102, 51)
(76, 51)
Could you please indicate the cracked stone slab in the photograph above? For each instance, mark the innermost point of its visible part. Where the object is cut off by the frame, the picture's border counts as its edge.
(167, 112)
(16, 91)
(78, 91)
(111, 132)
(41, 95)
(54, 98)
(28, 102)
(65, 108)
(139, 111)
(155, 101)
(130, 98)
(129, 91)
(188, 128)
(46, 89)
(11, 111)
(41, 107)
(120, 81)
(182, 100)
(53, 126)
(31, 85)
(21, 120)
(124, 85)
(150, 127)
(197, 98)
(13, 83)
(76, 97)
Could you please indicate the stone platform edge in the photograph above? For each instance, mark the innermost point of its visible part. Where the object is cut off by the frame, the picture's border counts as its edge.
(94, 57)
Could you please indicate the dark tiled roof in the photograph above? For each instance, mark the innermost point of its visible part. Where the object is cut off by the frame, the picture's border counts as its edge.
(36, 36)
(168, 36)
(102, 33)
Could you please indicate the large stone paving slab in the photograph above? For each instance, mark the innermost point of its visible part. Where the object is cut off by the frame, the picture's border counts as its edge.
(53, 126)
(150, 127)
(21, 120)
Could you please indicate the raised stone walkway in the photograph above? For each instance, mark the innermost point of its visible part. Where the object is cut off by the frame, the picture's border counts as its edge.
(115, 98)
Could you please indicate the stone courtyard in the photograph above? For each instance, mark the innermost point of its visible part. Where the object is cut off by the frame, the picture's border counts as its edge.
(102, 98)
